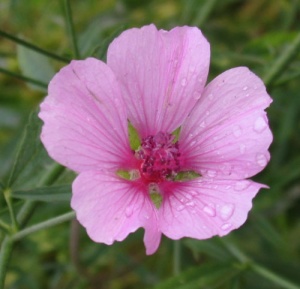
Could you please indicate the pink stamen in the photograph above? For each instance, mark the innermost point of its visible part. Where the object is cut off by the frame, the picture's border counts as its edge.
(159, 157)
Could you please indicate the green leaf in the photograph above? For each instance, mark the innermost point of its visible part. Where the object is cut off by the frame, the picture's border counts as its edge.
(204, 276)
(209, 247)
(34, 65)
(60, 193)
(31, 158)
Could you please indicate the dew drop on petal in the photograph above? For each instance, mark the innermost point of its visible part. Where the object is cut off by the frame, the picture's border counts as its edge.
(260, 125)
(237, 132)
(245, 88)
(180, 208)
(183, 81)
(242, 148)
(261, 160)
(242, 185)
(226, 211)
(146, 217)
(202, 124)
(210, 96)
(226, 226)
(190, 204)
(210, 211)
(129, 211)
(211, 173)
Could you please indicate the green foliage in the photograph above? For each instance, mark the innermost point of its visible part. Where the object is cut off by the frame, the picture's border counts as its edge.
(35, 192)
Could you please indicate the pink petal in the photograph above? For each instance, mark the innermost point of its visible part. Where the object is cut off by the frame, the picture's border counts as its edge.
(163, 73)
(203, 208)
(85, 122)
(110, 208)
(227, 134)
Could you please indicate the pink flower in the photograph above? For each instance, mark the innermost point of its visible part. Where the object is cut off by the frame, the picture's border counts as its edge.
(195, 187)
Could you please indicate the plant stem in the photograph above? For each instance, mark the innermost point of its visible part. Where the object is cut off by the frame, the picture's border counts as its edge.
(4, 227)
(7, 197)
(278, 280)
(43, 225)
(205, 12)
(25, 78)
(176, 257)
(70, 28)
(6, 250)
(33, 47)
(282, 61)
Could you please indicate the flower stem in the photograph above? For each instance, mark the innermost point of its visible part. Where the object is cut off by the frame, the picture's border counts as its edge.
(22, 218)
(176, 257)
(7, 197)
(205, 12)
(266, 273)
(6, 250)
(70, 28)
(282, 61)
(43, 225)
(33, 47)
(25, 78)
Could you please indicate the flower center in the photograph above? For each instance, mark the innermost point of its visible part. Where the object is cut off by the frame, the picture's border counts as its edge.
(159, 157)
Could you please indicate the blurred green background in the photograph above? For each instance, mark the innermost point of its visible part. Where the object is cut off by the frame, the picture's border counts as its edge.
(265, 253)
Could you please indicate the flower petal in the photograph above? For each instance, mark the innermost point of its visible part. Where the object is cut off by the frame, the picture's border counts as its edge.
(163, 73)
(110, 208)
(227, 134)
(85, 122)
(203, 208)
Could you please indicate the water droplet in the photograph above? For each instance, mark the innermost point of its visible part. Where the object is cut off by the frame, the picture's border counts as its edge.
(192, 68)
(190, 204)
(245, 88)
(196, 95)
(202, 124)
(226, 211)
(180, 208)
(207, 112)
(237, 132)
(200, 79)
(129, 211)
(242, 148)
(242, 185)
(226, 226)
(211, 173)
(192, 143)
(260, 125)
(146, 217)
(210, 96)
(188, 196)
(183, 81)
(261, 160)
(210, 211)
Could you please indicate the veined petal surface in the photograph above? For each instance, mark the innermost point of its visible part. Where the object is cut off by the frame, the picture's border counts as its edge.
(162, 73)
(203, 208)
(85, 121)
(227, 135)
(110, 208)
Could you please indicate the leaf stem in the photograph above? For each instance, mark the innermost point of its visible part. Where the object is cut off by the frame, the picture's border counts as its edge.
(33, 47)
(6, 250)
(266, 273)
(205, 12)
(25, 78)
(7, 196)
(176, 257)
(282, 61)
(43, 225)
(4, 227)
(70, 28)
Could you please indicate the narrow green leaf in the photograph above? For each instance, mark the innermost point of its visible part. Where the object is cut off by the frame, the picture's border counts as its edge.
(208, 247)
(205, 276)
(61, 193)
(29, 147)
(35, 66)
